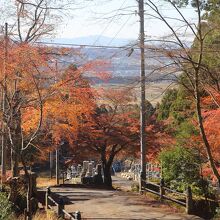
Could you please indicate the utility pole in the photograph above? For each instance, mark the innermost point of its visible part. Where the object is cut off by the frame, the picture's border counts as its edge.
(142, 104)
(3, 141)
(57, 166)
(57, 150)
(51, 164)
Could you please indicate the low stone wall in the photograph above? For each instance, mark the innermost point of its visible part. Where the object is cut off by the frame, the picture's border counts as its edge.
(130, 176)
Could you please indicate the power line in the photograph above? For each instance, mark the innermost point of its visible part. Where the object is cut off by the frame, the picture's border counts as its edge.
(119, 30)
(83, 45)
(134, 46)
(110, 22)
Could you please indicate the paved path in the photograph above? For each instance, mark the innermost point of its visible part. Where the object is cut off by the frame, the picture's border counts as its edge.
(119, 205)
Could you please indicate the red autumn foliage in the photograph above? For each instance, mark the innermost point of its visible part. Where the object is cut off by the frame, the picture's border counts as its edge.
(157, 138)
(212, 128)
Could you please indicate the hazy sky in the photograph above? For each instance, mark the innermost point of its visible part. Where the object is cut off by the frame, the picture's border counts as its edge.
(112, 18)
(96, 19)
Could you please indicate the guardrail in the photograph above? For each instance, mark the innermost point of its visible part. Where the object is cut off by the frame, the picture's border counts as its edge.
(185, 199)
(61, 212)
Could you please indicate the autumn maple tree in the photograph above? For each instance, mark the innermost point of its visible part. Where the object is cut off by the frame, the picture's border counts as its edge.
(25, 80)
(109, 131)
(112, 131)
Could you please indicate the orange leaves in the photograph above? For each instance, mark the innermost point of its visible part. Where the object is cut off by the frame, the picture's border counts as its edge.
(70, 104)
(24, 59)
(115, 96)
(98, 68)
(212, 128)
(30, 119)
(157, 139)
(207, 172)
(213, 98)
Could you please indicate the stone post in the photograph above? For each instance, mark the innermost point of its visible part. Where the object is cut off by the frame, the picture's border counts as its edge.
(162, 190)
(77, 215)
(48, 192)
(60, 208)
(33, 190)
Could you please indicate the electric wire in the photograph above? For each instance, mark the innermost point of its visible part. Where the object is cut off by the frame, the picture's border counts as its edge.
(121, 28)
(109, 23)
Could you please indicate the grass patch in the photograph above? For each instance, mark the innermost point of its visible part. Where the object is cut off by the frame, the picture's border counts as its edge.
(45, 181)
(135, 187)
(49, 215)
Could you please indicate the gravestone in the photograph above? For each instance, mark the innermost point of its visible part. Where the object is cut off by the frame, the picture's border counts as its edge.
(69, 174)
(73, 171)
(79, 169)
(85, 164)
(137, 172)
(89, 170)
(98, 176)
(85, 168)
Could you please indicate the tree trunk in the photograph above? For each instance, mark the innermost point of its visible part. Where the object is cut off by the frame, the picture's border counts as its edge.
(107, 164)
(203, 134)
(14, 164)
(29, 193)
(107, 175)
(15, 127)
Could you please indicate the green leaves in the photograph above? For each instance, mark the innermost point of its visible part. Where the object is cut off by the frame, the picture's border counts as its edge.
(166, 103)
(180, 165)
(5, 207)
(207, 5)
(179, 3)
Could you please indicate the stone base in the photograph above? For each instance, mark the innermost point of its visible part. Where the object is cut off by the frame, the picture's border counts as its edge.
(87, 180)
(98, 180)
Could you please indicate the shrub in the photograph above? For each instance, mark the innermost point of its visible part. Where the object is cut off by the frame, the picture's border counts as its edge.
(5, 207)
(166, 103)
(181, 167)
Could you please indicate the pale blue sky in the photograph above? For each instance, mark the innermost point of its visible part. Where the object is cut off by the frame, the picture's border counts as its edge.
(91, 20)
(112, 18)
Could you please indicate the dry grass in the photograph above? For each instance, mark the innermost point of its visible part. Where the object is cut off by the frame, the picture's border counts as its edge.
(154, 91)
(45, 181)
(50, 215)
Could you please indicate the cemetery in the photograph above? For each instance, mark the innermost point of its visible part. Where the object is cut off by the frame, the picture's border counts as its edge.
(87, 173)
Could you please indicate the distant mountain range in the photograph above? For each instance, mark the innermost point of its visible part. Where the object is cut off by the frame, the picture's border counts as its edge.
(92, 40)
(125, 63)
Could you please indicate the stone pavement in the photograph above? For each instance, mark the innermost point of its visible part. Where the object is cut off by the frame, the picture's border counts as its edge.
(119, 205)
